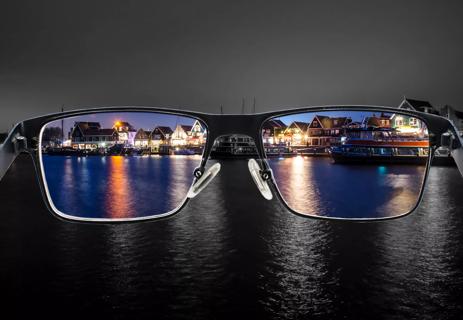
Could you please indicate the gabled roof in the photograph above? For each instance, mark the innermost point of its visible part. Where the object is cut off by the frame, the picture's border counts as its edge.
(300, 125)
(274, 124)
(91, 129)
(329, 123)
(200, 124)
(186, 128)
(338, 122)
(98, 132)
(375, 121)
(417, 104)
(84, 125)
(142, 134)
(162, 130)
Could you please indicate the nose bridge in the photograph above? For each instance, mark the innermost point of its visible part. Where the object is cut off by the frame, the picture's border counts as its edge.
(220, 125)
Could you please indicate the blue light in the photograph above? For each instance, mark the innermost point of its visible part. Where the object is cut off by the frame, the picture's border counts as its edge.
(382, 169)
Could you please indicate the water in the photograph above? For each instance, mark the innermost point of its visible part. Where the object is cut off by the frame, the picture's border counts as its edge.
(316, 186)
(230, 253)
(118, 186)
(126, 187)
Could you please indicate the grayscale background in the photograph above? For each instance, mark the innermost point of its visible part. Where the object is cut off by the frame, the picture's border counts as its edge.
(201, 54)
(229, 253)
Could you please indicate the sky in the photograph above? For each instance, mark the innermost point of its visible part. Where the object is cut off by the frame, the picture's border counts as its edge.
(138, 120)
(199, 55)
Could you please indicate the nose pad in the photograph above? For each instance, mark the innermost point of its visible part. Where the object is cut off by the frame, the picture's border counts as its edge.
(203, 180)
(261, 184)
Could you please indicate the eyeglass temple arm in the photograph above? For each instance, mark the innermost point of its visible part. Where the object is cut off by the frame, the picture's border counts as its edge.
(11, 147)
(454, 142)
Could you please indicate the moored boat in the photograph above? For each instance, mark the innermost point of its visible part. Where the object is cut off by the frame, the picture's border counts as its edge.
(381, 146)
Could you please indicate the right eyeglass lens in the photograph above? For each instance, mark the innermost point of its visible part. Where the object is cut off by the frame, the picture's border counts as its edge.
(348, 164)
(120, 165)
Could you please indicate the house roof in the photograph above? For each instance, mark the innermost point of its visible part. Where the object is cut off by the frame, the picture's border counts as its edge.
(331, 123)
(375, 120)
(92, 129)
(84, 125)
(142, 134)
(98, 132)
(299, 124)
(163, 130)
(274, 124)
(186, 128)
(420, 105)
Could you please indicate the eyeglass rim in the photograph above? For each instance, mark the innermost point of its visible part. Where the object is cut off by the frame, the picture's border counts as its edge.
(207, 117)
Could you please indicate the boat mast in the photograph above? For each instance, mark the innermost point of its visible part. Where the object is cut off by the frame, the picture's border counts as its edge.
(62, 126)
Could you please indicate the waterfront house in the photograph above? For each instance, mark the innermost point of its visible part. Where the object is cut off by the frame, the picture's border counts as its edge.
(181, 135)
(407, 126)
(296, 133)
(142, 138)
(197, 135)
(325, 131)
(417, 105)
(160, 138)
(273, 131)
(125, 132)
(381, 121)
(90, 136)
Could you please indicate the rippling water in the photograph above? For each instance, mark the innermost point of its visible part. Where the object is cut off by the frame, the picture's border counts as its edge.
(125, 187)
(229, 254)
(118, 186)
(317, 186)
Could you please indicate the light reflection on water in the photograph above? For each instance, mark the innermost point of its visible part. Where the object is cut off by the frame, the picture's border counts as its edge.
(124, 187)
(316, 186)
(118, 186)
(230, 254)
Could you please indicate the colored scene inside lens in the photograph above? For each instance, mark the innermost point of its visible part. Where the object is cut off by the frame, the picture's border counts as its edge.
(120, 165)
(348, 164)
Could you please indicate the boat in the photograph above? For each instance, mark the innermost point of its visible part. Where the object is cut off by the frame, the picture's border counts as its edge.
(234, 146)
(63, 151)
(380, 146)
(183, 152)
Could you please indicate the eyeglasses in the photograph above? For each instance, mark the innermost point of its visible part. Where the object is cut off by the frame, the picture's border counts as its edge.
(129, 164)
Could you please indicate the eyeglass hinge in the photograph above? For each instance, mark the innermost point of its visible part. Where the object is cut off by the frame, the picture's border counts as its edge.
(19, 142)
(448, 140)
(266, 174)
(198, 172)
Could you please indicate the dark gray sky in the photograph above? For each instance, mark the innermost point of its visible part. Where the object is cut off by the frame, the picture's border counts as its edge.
(199, 55)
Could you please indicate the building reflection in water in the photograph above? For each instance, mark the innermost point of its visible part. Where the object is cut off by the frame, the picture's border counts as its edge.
(118, 186)
(316, 186)
(299, 186)
(119, 197)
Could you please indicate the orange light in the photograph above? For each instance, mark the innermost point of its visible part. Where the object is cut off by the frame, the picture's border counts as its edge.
(117, 124)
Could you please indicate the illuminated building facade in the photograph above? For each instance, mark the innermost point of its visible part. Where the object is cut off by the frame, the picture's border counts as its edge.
(126, 133)
(90, 136)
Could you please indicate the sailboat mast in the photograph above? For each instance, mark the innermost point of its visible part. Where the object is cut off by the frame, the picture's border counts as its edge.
(62, 126)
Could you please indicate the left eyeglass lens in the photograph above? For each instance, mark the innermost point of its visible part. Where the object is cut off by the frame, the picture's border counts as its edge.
(120, 165)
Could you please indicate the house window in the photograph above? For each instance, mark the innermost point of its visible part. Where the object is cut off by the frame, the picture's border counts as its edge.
(399, 122)
(413, 121)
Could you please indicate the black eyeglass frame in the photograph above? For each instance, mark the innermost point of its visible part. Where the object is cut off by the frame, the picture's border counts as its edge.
(25, 137)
